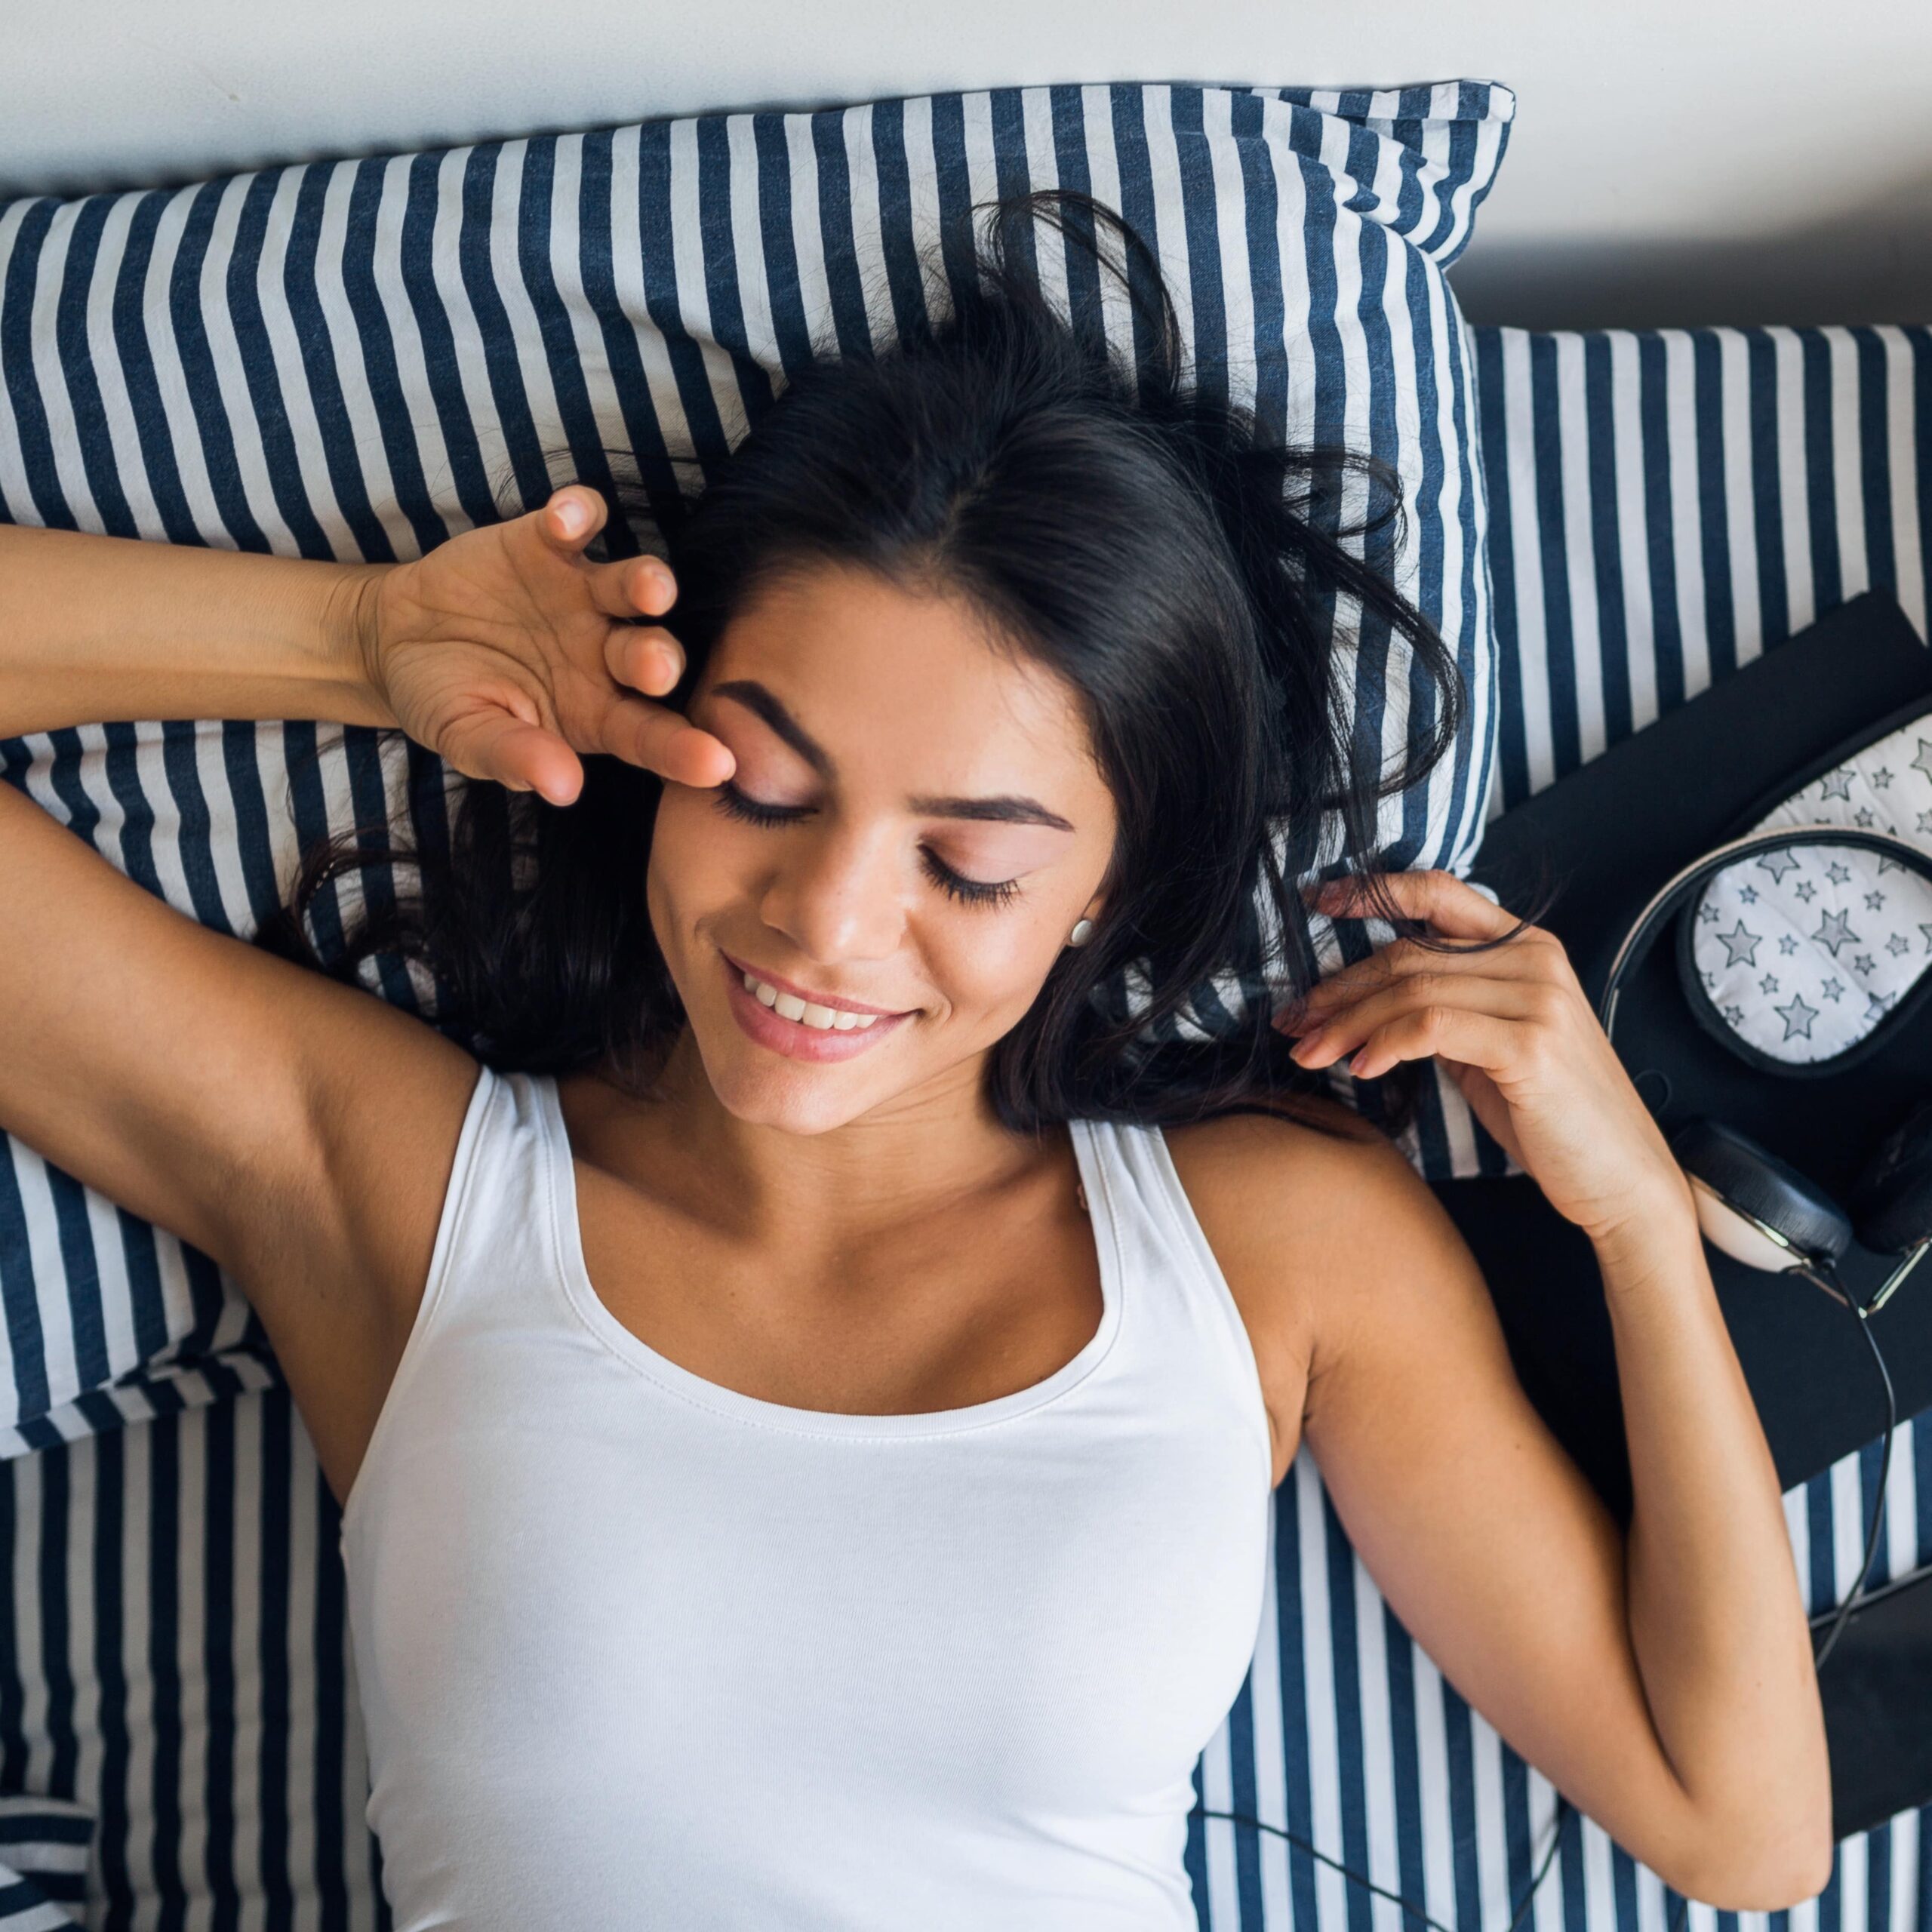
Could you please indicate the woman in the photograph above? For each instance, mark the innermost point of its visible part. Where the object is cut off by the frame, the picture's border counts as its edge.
(805, 1408)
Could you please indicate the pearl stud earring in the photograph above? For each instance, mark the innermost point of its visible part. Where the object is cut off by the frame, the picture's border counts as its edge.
(1083, 930)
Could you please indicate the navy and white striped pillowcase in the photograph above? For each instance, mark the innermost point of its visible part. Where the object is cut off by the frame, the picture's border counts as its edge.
(358, 358)
(1278, 219)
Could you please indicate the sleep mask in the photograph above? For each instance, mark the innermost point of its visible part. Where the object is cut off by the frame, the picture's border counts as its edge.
(1801, 958)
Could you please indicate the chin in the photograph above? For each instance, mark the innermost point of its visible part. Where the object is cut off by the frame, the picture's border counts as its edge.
(793, 1099)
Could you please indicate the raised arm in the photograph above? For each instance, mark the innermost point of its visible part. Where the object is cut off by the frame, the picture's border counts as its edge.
(299, 1131)
(505, 650)
(105, 627)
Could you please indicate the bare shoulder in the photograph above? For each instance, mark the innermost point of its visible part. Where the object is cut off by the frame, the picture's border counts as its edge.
(1301, 1187)
(1301, 1210)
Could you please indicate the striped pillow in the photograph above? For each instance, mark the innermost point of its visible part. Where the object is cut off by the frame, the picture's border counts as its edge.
(44, 1846)
(359, 359)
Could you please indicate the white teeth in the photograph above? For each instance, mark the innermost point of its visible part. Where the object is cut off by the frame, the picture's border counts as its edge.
(807, 1013)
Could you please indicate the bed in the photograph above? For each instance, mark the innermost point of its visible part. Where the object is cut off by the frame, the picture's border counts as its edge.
(173, 1678)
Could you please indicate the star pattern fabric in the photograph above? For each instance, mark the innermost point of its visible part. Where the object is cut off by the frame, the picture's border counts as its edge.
(1851, 930)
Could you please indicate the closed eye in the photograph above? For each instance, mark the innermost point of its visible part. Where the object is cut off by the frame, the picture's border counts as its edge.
(740, 805)
(971, 892)
(735, 804)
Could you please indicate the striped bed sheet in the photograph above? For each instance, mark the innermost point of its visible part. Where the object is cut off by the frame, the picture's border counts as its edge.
(1664, 507)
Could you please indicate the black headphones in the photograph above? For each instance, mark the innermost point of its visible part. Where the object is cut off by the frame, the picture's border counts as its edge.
(1761, 1210)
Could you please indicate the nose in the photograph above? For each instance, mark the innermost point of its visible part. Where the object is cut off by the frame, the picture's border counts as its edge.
(837, 895)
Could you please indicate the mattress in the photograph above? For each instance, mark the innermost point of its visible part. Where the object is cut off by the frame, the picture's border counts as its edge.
(1664, 506)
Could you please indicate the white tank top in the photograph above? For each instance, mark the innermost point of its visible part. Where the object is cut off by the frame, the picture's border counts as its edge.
(635, 1650)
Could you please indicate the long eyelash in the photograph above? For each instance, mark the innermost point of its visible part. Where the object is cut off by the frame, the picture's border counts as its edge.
(734, 804)
(971, 891)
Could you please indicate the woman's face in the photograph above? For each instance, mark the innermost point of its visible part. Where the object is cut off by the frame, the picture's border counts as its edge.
(915, 822)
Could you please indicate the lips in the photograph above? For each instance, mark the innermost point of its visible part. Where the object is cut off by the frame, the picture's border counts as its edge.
(792, 1038)
(835, 1001)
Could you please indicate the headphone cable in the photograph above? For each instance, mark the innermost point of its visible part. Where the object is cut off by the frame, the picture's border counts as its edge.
(1563, 1808)
(1864, 1313)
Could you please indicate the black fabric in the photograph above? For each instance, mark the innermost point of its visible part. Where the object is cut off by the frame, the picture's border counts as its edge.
(1603, 839)
(1892, 1204)
(1875, 1689)
(1755, 1180)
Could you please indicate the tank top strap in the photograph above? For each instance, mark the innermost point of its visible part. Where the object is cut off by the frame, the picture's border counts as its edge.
(497, 1240)
(1183, 1312)
(492, 1269)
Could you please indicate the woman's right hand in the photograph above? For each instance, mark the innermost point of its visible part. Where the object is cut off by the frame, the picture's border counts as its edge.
(508, 654)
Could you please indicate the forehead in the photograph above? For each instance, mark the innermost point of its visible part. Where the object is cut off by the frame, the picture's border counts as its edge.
(885, 675)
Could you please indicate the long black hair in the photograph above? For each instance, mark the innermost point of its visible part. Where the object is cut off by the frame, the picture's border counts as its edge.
(1186, 575)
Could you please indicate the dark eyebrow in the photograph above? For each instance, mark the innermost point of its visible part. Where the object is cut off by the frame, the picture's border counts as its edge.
(1004, 811)
(762, 703)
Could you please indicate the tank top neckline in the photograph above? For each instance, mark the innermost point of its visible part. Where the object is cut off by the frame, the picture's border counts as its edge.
(567, 1232)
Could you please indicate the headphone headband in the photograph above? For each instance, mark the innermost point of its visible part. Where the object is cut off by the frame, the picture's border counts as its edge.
(1669, 897)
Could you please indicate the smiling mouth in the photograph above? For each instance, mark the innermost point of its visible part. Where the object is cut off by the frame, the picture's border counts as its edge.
(814, 1013)
(782, 1016)
(825, 1012)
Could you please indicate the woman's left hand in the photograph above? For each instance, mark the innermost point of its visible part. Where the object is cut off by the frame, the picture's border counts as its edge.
(1513, 1028)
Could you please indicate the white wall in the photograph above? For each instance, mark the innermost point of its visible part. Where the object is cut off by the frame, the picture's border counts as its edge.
(1674, 160)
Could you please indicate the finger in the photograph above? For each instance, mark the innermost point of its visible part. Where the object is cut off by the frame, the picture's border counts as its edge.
(491, 744)
(572, 517)
(1486, 1104)
(633, 587)
(1346, 1030)
(1401, 958)
(645, 656)
(1452, 906)
(1466, 1038)
(663, 741)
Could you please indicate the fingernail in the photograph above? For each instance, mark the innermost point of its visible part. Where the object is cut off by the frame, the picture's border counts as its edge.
(571, 516)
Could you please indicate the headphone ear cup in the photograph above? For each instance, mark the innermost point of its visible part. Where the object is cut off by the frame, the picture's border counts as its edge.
(1892, 1204)
(1747, 1198)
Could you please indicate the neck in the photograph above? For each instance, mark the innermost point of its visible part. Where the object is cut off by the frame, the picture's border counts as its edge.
(922, 1152)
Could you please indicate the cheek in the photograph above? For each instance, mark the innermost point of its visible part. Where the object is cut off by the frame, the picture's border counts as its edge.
(694, 870)
(989, 962)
